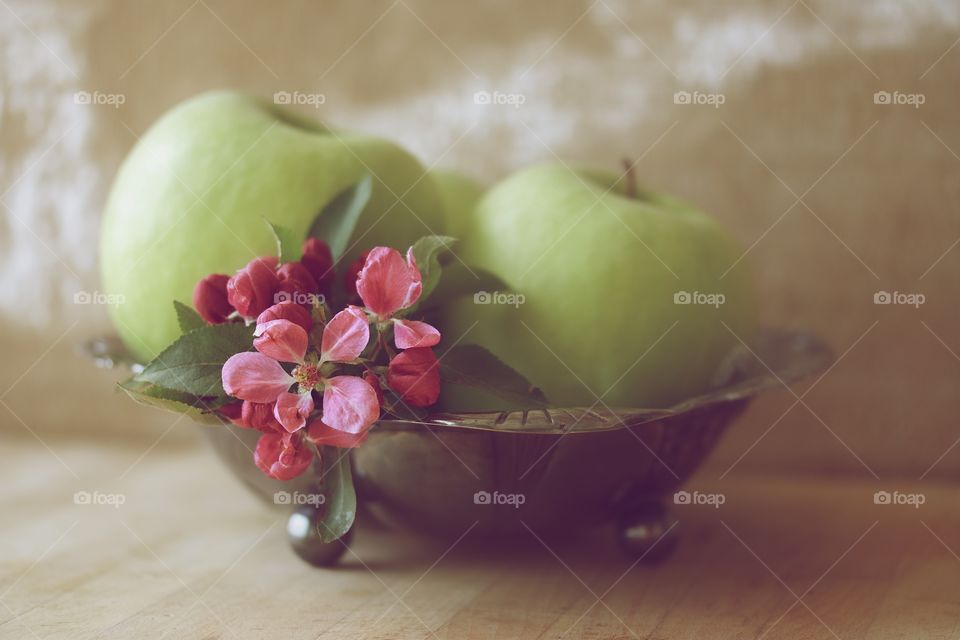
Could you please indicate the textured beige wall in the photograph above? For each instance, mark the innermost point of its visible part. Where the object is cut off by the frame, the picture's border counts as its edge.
(878, 188)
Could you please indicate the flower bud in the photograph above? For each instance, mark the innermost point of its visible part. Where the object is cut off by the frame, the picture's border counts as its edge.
(351, 275)
(210, 298)
(232, 412)
(287, 310)
(259, 416)
(252, 289)
(319, 262)
(415, 375)
(282, 456)
(297, 283)
(374, 381)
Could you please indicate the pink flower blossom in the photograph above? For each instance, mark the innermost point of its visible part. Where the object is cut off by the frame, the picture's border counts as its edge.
(287, 310)
(282, 400)
(410, 334)
(258, 415)
(255, 377)
(345, 336)
(282, 340)
(415, 375)
(253, 288)
(297, 284)
(293, 409)
(210, 298)
(282, 455)
(388, 283)
(349, 404)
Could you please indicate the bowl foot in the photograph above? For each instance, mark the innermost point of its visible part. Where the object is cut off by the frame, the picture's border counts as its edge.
(648, 533)
(305, 538)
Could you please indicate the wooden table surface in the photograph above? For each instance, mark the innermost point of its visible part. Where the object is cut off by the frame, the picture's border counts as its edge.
(190, 554)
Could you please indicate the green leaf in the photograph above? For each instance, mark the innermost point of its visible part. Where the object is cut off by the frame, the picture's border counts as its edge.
(474, 367)
(192, 364)
(459, 280)
(336, 222)
(289, 247)
(341, 497)
(187, 318)
(156, 396)
(427, 252)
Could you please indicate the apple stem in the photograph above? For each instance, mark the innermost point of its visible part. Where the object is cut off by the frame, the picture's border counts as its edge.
(630, 175)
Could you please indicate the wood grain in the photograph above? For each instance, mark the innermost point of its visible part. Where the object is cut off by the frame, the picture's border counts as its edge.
(190, 554)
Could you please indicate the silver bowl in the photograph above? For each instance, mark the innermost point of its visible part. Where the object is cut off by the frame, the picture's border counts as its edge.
(501, 473)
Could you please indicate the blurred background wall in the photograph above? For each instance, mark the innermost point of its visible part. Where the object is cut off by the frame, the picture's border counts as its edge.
(837, 191)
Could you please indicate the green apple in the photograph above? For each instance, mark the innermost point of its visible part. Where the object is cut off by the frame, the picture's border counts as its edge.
(191, 199)
(460, 194)
(604, 273)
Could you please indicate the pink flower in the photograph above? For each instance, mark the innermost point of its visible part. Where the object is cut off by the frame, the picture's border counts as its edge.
(282, 340)
(297, 284)
(259, 378)
(210, 298)
(252, 289)
(345, 336)
(287, 311)
(415, 375)
(387, 283)
(289, 376)
(282, 455)
(293, 409)
(410, 334)
(255, 377)
(258, 415)
(349, 404)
